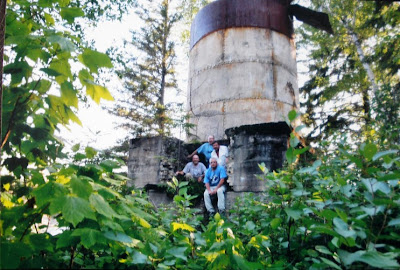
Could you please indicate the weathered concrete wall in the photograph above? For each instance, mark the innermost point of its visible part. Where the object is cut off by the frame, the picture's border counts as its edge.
(154, 160)
(253, 145)
(241, 76)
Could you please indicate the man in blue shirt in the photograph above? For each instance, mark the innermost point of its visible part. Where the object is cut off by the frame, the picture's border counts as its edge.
(205, 149)
(214, 181)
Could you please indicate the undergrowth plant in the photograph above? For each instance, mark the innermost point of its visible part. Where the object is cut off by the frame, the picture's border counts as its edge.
(341, 212)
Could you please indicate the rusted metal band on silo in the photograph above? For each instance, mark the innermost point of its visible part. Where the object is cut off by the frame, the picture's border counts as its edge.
(222, 14)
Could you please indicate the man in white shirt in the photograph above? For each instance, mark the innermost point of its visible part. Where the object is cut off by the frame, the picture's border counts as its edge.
(220, 153)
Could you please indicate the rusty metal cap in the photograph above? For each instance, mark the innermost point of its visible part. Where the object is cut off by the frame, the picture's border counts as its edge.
(223, 14)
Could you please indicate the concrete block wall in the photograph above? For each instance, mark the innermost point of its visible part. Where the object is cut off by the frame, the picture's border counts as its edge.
(154, 160)
(252, 145)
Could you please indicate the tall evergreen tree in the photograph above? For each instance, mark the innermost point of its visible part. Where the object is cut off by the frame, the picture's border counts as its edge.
(347, 80)
(148, 76)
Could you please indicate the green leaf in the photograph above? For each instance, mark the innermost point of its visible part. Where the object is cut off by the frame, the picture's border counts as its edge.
(81, 187)
(51, 72)
(300, 128)
(294, 213)
(90, 152)
(89, 237)
(290, 157)
(373, 258)
(73, 209)
(109, 165)
(292, 115)
(384, 153)
(42, 86)
(37, 178)
(69, 94)
(96, 92)
(323, 250)
(65, 44)
(250, 226)
(342, 228)
(18, 71)
(300, 151)
(178, 252)
(49, 19)
(12, 253)
(374, 185)
(63, 69)
(112, 225)
(139, 258)
(242, 264)
(95, 60)
(121, 237)
(182, 226)
(76, 147)
(394, 222)
(66, 240)
(41, 242)
(102, 206)
(294, 141)
(48, 192)
(369, 151)
(69, 14)
(330, 263)
(79, 156)
(275, 223)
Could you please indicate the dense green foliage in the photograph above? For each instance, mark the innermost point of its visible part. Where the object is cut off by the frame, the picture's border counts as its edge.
(341, 211)
(353, 74)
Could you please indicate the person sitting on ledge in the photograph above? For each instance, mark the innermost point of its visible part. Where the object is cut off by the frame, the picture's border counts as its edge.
(214, 181)
(193, 170)
(221, 153)
(205, 149)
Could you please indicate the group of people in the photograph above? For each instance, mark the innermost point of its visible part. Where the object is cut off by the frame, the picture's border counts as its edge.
(213, 174)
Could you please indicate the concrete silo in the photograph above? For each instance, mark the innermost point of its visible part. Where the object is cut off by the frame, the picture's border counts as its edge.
(242, 68)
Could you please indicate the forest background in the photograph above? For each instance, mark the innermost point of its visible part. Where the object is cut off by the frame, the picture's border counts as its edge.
(334, 205)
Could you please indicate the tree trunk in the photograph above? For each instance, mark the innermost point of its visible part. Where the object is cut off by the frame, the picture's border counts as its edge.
(165, 35)
(3, 5)
(367, 67)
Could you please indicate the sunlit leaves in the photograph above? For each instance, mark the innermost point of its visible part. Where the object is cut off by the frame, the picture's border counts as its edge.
(61, 111)
(69, 14)
(69, 94)
(177, 226)
(95, 91)
(95, 60)
(63, 68)
(64, 43)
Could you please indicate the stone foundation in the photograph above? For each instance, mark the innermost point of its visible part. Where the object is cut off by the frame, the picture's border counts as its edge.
(154, 160)
(252, 145)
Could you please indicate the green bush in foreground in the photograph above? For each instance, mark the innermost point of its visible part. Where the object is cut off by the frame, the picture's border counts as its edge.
(341, 212)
